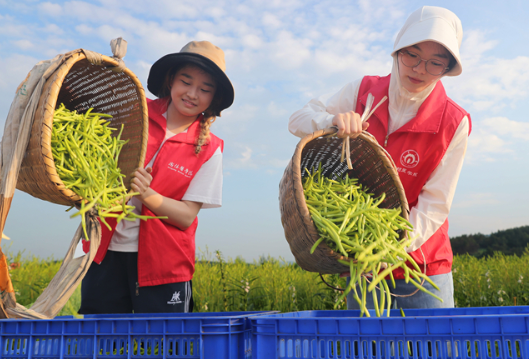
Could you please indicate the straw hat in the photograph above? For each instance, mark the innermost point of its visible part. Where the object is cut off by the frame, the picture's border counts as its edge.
(201, 53)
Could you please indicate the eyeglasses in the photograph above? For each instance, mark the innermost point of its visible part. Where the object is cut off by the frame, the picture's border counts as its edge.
(433, 67)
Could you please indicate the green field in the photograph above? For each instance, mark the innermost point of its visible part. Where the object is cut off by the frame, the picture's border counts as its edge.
(224, 284)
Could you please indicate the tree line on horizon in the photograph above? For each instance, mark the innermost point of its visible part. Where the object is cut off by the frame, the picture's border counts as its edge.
(512, 241)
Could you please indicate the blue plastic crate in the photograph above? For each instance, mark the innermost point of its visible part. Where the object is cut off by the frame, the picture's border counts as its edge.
(458, 333)
(190, 335)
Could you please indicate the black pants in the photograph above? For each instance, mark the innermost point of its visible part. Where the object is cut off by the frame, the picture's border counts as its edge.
(112, 287)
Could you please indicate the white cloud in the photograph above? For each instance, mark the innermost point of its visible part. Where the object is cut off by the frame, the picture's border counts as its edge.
(17, 67)
(289, 52)
(84, 29)
(107, 32)
(216, 12)
(489, 82)
(271, 21)
(485, 146)
(53, 29)
(279, 163)
(474, 46)
(51, 9)
(277, 111)
(476, 200)
(495, 137)
(243, 159)
(23, 44)
(505, 127)
(252, 41)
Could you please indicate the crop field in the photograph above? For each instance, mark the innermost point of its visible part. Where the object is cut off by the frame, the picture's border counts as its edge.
(225, 284)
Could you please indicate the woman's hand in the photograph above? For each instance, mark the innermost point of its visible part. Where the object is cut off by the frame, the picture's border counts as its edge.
(180, 214)
(349, 124)
(141, 181)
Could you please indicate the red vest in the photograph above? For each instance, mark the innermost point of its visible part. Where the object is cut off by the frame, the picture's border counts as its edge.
(417, 148)
(166, 254)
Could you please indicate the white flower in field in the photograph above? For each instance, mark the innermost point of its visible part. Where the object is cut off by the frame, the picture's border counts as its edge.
(246, 287)
(489, 286)
(499, 292)
(206, 306)
(487, 274)
(488, 280)
(455, 270)
(293, 290)
(520, 279)
(500, 299)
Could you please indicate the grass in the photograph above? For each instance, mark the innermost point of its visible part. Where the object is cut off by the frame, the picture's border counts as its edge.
(267, 284)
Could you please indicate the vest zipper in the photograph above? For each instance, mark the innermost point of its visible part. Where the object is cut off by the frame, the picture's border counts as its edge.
(386, 141)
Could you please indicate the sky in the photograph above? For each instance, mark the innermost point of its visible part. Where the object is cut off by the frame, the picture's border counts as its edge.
(279, 55)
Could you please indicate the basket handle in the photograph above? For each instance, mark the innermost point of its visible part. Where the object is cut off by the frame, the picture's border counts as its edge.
(346, 147)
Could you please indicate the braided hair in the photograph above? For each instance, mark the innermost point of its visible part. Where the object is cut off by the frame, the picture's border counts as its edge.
(210, 115)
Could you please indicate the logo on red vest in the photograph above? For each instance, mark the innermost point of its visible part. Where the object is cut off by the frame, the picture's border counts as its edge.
(409, 159)
(180, 169)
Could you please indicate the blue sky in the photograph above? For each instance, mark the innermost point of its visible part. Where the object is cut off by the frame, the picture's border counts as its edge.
(280, 54)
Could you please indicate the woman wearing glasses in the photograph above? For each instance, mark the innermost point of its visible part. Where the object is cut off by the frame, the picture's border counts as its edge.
(423, 130)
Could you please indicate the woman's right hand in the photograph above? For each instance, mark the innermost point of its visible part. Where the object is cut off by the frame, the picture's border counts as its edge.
(141, 181)
(349, 124)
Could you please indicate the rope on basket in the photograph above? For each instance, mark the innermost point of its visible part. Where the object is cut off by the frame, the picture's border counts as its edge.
(346, 147)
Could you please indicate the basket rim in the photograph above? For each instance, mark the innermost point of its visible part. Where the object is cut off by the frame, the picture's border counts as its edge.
(298, 185)
(68, 61)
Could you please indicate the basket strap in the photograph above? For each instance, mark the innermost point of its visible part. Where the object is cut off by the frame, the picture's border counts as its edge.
(330, 286)
(67, 279)
(14, 143)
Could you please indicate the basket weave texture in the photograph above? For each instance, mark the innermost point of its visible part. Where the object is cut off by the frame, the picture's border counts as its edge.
(81, 85)
(372, 166)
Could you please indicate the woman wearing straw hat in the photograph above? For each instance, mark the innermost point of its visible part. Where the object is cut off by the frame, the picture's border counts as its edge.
(423, 130)
(147, 266)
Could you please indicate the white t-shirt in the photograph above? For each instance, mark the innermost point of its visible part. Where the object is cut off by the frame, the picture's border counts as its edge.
(205, 187)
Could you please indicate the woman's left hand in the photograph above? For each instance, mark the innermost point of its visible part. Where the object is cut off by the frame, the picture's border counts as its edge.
(141, 180)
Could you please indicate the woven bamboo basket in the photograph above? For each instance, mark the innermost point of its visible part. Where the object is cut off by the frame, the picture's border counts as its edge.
(372, 166)
(81, 85)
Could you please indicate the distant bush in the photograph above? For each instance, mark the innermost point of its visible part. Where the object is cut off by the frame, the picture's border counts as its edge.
(510, 242)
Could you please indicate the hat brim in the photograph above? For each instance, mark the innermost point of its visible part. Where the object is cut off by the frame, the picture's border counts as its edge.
(160, 68)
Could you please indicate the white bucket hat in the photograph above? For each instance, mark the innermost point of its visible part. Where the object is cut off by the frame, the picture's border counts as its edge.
(431, 23)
